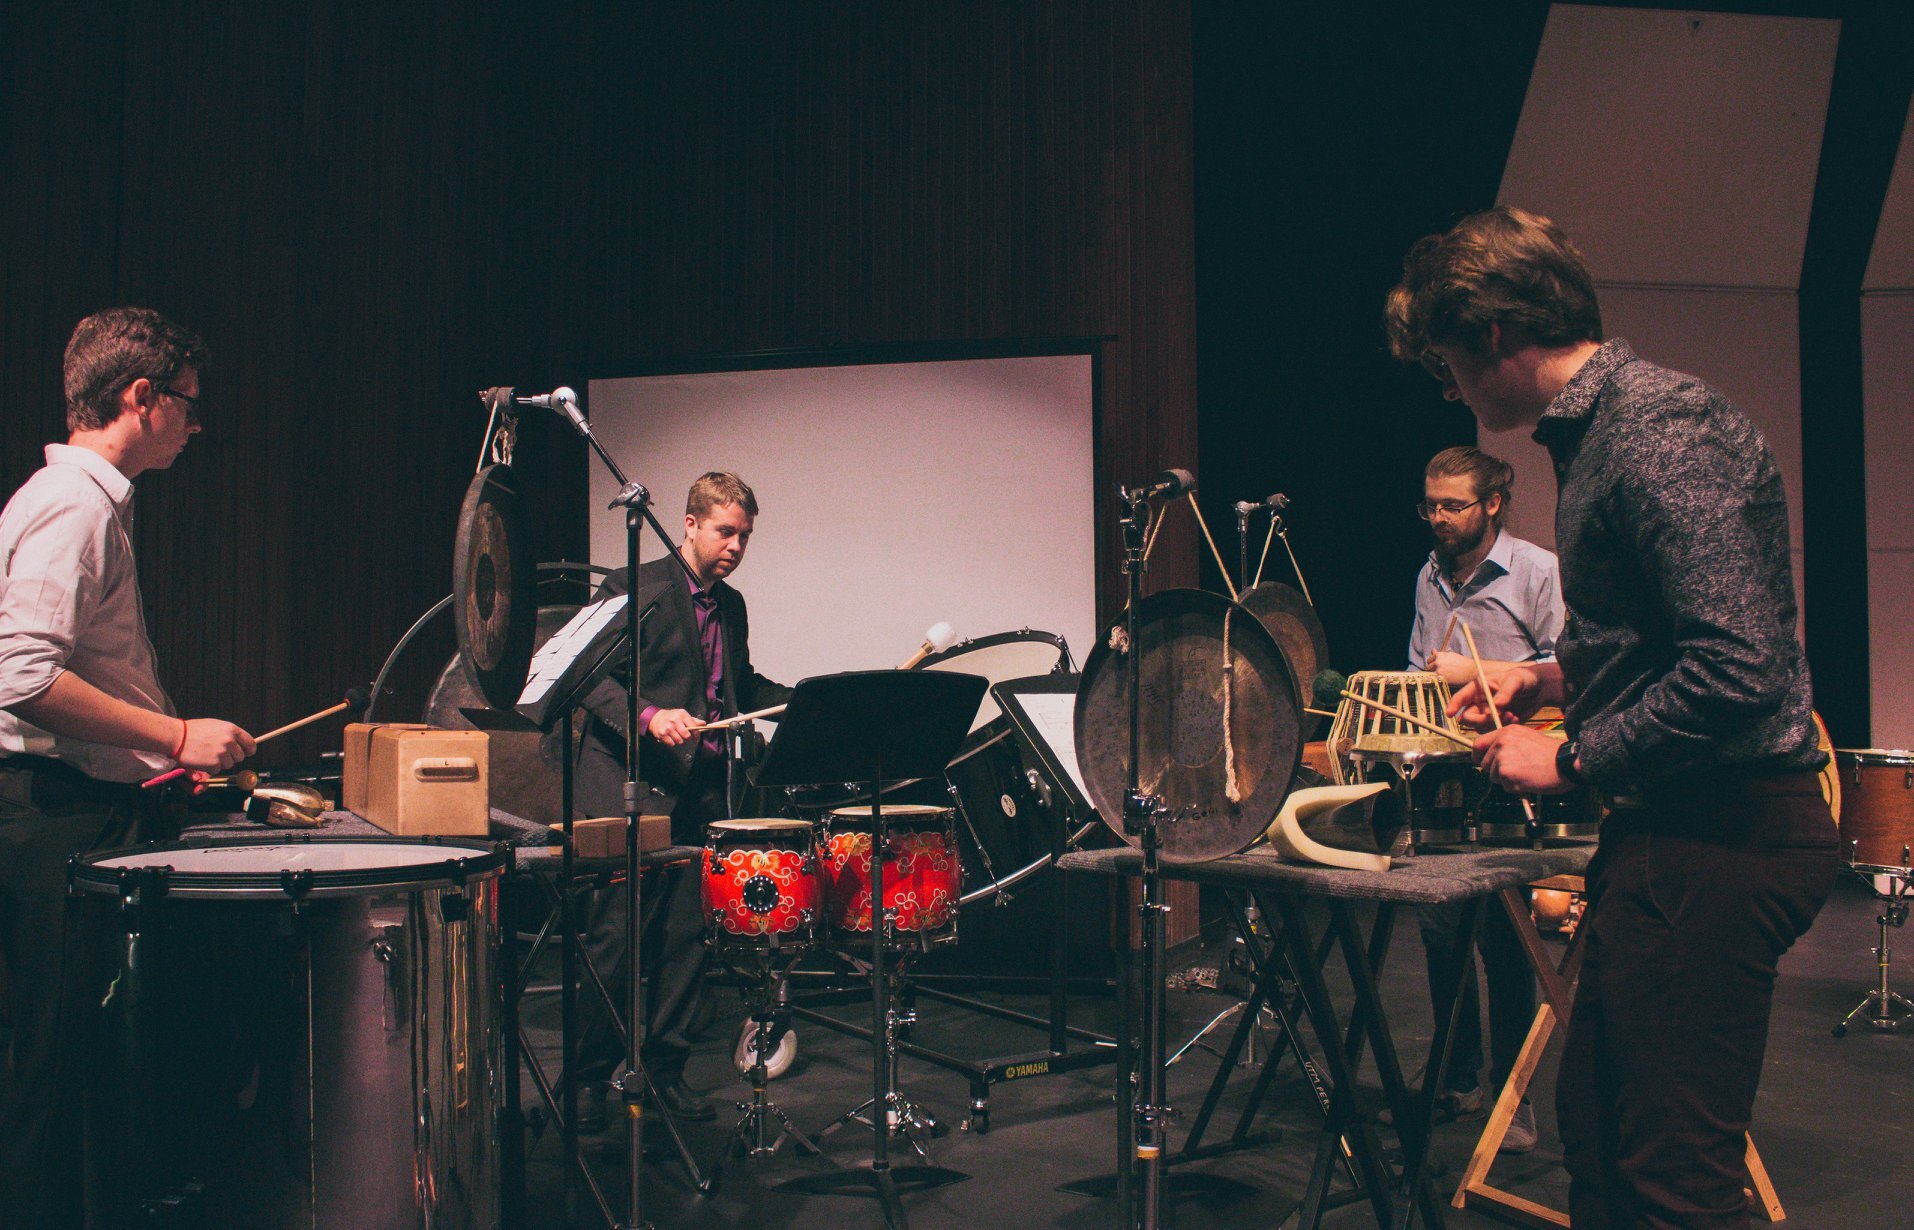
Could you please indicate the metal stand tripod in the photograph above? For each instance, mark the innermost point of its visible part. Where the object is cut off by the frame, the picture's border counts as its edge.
(771, 1017)
(1885, 1009)
(906, 1120)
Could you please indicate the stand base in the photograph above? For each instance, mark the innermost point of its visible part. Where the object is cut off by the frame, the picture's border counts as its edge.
(886, 1186)
(908, 1122)
(1884, 1012)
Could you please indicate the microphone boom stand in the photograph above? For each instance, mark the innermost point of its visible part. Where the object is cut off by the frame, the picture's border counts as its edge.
(636, 501)
(1142, 814)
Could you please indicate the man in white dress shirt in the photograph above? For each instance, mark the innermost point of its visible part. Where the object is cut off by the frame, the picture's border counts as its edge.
(83, 718)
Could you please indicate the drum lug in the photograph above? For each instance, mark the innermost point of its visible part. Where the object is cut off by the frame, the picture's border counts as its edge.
(295, 884)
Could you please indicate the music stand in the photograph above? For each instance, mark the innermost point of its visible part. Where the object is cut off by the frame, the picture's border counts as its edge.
(871, 728)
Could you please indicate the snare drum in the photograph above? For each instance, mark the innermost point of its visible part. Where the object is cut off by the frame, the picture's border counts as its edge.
(760, 886)
(923, 878)
(1877, 809)
(295, 1032)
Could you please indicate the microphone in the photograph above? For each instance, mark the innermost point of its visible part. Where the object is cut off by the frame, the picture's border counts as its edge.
(1276, 502)
(1170, 483)
(563, 400)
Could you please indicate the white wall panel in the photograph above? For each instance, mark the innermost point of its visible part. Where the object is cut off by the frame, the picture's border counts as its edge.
(893, 496)
(1677, 147)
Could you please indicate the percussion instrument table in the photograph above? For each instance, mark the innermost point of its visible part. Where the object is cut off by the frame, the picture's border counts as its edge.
(534, 847)
(1284, 891)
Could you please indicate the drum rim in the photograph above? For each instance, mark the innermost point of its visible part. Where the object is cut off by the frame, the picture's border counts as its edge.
(760, 824)
(1891, 756)
(483, 860)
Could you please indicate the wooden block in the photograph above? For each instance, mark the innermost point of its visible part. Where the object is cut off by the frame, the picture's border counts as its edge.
(604, 836)
(358, 747)
(428, 782)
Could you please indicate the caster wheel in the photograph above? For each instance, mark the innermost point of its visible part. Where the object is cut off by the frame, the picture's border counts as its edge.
(780, 1059)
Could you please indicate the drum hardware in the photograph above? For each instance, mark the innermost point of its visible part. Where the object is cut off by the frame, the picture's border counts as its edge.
(1885, 1008)
(874, 727)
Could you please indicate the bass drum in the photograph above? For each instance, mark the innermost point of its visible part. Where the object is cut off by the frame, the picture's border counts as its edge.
(291, 1033)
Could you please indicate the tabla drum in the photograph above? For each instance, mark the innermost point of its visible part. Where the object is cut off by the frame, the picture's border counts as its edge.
(760, 886)
(1877, 810)
(923, 877)
(295, 1032)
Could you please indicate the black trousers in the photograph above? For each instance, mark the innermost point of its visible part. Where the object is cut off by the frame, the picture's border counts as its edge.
(1511, 984)
(673, 938)
(48, 813)
(1692, 901)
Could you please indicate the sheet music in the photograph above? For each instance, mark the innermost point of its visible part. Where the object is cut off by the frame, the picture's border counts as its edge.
(1053, 718)
(549, 663)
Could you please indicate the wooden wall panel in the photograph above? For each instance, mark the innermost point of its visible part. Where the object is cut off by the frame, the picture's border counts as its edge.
(372, 211)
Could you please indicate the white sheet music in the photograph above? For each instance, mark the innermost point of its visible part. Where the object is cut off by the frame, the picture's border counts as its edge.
(549, 663)
(1053, 718)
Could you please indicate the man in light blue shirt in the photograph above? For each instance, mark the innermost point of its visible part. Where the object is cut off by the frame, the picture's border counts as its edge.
(1506, 589)
(1508, 592)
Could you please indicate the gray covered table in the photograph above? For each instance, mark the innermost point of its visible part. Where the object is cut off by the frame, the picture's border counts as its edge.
(1470, 878)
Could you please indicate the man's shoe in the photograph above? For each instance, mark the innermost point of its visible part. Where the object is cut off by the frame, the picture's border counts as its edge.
(1522, 1134)
(591, 1108)
(684, 1105)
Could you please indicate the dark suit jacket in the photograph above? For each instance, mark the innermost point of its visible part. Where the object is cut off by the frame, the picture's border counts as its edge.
(674, 678)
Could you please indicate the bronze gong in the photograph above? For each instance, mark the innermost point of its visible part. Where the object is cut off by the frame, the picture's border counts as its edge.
(1221, 733)
(494, 604)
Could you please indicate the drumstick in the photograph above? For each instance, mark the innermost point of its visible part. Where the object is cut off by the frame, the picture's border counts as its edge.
(1410, 718)
(1448, 630)
(1328, 713)
(1220, 565)
(356, 700)
(1488, 698)
(773, 711)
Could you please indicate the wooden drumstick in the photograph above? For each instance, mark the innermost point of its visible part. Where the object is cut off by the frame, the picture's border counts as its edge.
(773, 711)
(1495, 715)
(1410, 718)
(356, 699)
(1448, 630)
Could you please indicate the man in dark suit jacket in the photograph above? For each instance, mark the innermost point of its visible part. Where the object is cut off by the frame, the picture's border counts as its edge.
(695, 659)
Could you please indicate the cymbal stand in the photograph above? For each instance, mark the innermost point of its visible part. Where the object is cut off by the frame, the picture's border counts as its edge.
(1885, 1008)
(1142, 816)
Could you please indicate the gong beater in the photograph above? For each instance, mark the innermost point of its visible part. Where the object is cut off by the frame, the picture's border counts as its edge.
(494, 603)
(1221, 783)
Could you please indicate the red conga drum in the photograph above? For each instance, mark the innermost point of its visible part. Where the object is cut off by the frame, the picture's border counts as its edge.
(760, 887)
(923, 878)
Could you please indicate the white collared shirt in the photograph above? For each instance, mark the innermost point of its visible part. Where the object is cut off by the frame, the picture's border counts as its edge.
(70, 601)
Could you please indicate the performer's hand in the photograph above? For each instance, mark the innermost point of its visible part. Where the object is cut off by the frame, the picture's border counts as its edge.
(671, 726)
(1521, 760)
(1455, 668)
(214, 745)
(1518, 693)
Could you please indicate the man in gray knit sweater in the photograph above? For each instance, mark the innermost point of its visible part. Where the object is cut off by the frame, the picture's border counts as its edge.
(1688, 705)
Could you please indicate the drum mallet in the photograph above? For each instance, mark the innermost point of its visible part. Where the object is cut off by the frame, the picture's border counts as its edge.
(939, 637)
(355, 702)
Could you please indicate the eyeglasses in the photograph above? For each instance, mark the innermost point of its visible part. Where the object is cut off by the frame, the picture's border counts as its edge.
(192, 400)
(1436, 366)
(1429, 512)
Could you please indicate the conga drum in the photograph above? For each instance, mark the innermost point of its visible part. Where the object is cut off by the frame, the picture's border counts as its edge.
(923, 877)
(760, 887)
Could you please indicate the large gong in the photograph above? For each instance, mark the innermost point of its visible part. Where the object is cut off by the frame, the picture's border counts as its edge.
(1299, 633)
(1221, 731)
(494, 606)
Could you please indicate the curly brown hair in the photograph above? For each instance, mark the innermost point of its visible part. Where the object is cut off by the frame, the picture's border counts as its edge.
(1503, 265)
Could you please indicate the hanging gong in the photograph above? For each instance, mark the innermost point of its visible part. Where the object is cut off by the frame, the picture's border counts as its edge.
(1221, 731)
(494, 601)
(1299, 634)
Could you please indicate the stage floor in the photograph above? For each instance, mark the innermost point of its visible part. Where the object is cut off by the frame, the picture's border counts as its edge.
(1835, 1121)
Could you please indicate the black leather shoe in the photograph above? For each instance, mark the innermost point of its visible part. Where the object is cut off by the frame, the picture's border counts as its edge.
(684, 1105)
(591, 1108)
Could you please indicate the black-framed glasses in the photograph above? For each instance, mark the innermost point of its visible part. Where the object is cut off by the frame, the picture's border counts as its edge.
(1447, 508)
(1436, 366)
(193, 400)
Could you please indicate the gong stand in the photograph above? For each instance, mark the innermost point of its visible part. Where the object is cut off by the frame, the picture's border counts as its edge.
(1142, 818)
(636, 501)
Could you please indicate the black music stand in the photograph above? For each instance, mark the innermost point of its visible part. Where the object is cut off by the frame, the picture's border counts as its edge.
(872, 728)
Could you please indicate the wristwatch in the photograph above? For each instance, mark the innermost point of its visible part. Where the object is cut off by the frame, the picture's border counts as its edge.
(1565, 757)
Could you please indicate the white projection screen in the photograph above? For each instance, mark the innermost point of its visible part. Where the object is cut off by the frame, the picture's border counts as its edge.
(892, 496)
